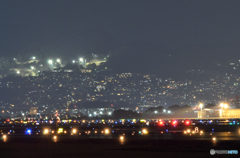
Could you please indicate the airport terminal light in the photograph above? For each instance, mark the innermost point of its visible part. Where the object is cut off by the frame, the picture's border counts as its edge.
(50, 61)
(225, 106)
(221, 104)
(201, 106)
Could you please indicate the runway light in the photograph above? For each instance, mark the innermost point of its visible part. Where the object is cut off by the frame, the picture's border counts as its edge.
(29, 131)
(187, 122)
(185, 132)
(144, 131)
(55, 138)
(106, 131)
(121, 140)
(188, 130)
(174, 122)
(161, 123)
(201, 132)
(4, 137)
(74, 131)
(214, 138)
(46, 131)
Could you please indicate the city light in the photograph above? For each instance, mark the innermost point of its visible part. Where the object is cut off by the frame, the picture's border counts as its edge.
(164, 110)
(73, 61)
(169, 111)
(58, 60)
(50, 61)
(81, 59)
(18, 72)
(33, 58)
(32, 67)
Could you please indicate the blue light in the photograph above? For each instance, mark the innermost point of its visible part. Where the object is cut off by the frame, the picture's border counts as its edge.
(29, 131)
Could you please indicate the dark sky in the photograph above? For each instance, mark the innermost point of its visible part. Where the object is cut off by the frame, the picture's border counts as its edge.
(96, 26)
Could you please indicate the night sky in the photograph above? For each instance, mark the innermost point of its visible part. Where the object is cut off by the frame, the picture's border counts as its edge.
(189, 33)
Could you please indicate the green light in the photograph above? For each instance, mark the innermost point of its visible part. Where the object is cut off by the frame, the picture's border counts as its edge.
(230, 123)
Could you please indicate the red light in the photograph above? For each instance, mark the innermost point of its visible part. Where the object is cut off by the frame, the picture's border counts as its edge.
(160, 123)
(187, 122)
(174, 122)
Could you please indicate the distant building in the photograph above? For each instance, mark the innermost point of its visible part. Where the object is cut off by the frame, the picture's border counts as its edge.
(33, 111)
(220, 113)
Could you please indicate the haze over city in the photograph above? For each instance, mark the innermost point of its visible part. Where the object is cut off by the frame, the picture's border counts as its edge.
(129, 73)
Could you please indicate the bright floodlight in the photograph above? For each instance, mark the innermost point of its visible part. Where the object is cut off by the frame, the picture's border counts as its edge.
(169, 111)
(155, 112)
(221, 105)
(58, 60)
(50, 62)
(109, 113)
(81, 59)
(32, 67)
(73, 61)
(18, 72)
(201, 105)
(33, 58)
(164, 110)
(225, 106)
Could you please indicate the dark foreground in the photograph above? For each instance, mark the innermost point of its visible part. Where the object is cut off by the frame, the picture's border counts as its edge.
(111, 147)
